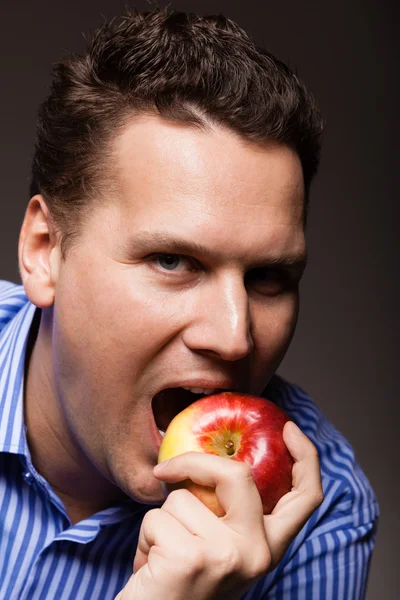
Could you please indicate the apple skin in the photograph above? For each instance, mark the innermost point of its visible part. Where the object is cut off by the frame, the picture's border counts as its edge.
(240, 427)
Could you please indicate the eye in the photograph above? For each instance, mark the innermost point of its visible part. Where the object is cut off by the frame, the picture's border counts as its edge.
(168, 261)
(172, 262)
(269, 280)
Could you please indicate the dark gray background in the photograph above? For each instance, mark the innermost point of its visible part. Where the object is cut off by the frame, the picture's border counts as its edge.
(343, 352)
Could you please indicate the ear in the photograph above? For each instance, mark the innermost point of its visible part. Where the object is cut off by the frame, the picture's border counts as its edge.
(39, 254)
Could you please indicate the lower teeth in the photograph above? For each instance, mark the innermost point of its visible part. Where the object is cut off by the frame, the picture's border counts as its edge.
(162, 433)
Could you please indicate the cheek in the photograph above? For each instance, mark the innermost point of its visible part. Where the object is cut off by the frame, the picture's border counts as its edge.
(274, 324)
(109, 318)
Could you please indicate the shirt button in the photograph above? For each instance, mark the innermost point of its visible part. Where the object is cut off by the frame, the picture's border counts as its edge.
(28, 477)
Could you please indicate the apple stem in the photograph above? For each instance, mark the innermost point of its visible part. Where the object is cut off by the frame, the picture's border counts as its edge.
(230, 447)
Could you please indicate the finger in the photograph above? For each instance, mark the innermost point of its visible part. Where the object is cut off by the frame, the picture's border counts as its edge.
(192, 514)
(232, 480)
(306, 471)
(161, 533)
(295, 508)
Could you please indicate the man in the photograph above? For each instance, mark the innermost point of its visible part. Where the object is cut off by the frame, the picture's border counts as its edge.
(162, 249)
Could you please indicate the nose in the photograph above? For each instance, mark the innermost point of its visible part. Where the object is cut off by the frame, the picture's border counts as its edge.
(220, 322)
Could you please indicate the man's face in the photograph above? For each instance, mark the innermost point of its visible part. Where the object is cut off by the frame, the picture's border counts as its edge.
(180, 281)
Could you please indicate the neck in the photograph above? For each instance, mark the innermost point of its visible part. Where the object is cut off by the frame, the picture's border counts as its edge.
(55, 454)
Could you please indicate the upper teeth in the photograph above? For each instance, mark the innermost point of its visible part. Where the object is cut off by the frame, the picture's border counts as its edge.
(200, 391)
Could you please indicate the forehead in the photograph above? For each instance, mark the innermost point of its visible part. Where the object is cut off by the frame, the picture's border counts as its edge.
(208, 182)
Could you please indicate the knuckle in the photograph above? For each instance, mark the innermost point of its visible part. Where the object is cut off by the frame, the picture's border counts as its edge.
(228, 558)
(248, 562)
(187, 560)
(242, 470)
(259, 566)
(319, 498)
(151, 515)
(316, 499)
(175, 498)
(192, 561)
(259, 560)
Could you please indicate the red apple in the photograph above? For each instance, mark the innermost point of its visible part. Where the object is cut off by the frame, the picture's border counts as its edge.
(240, 427)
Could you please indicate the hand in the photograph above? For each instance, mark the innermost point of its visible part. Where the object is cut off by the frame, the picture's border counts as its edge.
(185, 551)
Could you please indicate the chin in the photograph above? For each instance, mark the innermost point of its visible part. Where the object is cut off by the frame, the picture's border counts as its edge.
(146, 498)
(145, 489)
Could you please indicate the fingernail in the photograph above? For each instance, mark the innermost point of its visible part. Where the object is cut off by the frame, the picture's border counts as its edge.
(296, 430)
(160, 466)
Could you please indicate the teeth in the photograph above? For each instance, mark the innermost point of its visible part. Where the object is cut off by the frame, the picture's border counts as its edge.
(200, 391)
(162, 433)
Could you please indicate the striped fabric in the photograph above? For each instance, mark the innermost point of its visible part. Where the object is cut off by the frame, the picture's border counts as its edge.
(44, 557)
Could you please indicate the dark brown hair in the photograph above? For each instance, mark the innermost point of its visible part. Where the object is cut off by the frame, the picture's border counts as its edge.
(195, 69)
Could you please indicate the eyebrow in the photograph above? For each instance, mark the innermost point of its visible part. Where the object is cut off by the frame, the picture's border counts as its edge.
(161, 241)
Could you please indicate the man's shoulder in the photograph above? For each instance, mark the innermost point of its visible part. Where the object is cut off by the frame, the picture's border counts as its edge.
(12, 299)
(309, 417)
(341, 473)
(325, 549)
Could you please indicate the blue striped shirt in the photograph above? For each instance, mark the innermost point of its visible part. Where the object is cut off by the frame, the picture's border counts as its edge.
(44, 557)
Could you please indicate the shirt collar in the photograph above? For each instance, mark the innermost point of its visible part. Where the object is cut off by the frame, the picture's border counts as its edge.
(13, 343)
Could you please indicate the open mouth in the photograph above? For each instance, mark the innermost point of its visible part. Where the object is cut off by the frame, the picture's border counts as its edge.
(171, 401)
